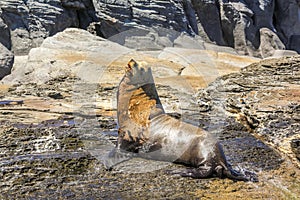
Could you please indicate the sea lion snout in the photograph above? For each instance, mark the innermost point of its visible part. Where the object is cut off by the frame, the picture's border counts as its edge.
(138, 73)
(132, 63)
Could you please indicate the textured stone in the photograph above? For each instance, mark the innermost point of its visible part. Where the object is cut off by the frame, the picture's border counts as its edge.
(30, 22)
(269, 42)
(294, 42)
(169, 14)
(264, 97)
(6, 61)
(5, 34)
(287, 21)
(208, 18)
(60, 55)
(25, 24)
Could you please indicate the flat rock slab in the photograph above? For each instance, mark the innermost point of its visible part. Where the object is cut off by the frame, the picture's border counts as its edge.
(52, 159)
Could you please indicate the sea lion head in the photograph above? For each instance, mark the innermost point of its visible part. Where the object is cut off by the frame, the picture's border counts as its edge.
(138, 73)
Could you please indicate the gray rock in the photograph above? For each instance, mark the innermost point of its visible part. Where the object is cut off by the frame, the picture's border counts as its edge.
(217, 48)
(30, 22)
(5, 34)
(25, 24)
(73, 51)
(263, 11)
(269, 42)
(287, 21)
(238, 28)
(294, 43)
(168, 14)
(6, 61)
(185, 41)
(208, 18)
(156, 38)
(283, 53)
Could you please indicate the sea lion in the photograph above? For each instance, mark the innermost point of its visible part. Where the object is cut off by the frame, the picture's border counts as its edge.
(145, 129)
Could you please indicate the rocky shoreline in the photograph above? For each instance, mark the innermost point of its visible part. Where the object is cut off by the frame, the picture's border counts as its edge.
(58, 120)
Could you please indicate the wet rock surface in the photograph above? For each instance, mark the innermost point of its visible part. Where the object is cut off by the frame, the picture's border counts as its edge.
(52, 158)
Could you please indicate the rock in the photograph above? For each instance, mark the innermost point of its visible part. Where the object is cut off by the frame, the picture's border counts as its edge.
(295, 145)
(185, 41)
(238, 28)
(61, 56)
(236, 24)
(284, 53)
(75, 60)
(31, 22)
(5, 34)
(170, 15)
(287, 21)
(269, 42)
(208, 17)
(217, 48)
(294, 43)
(6, 61)
(264, 98)
(156, 38)
(145, 39)
(263, 12)
(206, 65)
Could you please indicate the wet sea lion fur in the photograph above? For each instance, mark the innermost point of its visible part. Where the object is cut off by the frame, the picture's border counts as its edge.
(145, 129)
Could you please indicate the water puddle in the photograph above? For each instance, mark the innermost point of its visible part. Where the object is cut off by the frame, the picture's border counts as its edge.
(11, 102)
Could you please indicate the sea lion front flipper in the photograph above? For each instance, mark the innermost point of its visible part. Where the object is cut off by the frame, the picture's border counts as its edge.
(199, 172)
(116, 156)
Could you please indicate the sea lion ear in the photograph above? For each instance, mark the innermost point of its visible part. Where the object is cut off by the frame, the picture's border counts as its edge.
(131, 64)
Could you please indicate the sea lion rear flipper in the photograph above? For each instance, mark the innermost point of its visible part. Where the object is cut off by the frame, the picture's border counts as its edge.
(116, 156)
(241, 176)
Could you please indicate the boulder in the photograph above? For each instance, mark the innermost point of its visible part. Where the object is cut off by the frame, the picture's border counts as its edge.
(30, 22)
(25, 24)
(208, 19)
(6, 61)
(72, 51)
(287, 21)
(5, 34)
(264, 98)
(269, 42)
(168, 14)
(185, 41)
(284, 53)
(294, 43)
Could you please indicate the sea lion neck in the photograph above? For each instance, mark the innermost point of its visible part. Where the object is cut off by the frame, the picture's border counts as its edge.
(142, 102)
